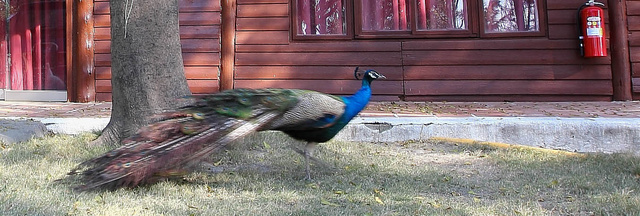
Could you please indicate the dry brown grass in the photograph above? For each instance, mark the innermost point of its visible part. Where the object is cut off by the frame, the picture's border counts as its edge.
(263, 176)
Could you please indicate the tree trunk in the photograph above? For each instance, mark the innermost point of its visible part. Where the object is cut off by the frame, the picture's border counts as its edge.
(146, 64)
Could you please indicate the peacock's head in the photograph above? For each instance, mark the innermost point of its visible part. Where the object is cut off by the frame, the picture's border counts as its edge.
(369, 75)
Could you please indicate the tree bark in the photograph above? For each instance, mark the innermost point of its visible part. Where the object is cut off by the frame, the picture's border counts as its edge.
(146, 64)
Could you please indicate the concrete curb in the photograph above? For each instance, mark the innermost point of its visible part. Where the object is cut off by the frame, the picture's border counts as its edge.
(572, 134)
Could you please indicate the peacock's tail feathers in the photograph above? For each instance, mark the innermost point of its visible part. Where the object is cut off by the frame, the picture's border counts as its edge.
(179, 139)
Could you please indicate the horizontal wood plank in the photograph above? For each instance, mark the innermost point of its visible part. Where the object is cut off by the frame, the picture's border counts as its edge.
(191, 72)
(634, 54)
(569, 31)
(338, 59)
(341, 87)
(634, 38)
(561, 16)
(189, 59)
(102, 60)
(103, 85)
(333, 46)
(634, 23)
(563, 32)
(509, 98)
(196, 86)
(635, 70)
(183, 6)
(636, 85)
(203, 86)
(188, 45)
(201, 59)
(101, 8)
(103, 72)
(499, 87)
(198, 5)
(471, 44)
(103, 97)
(567, 4)
(633, 8)
(262, 37)
(199, 18)
(263, 24)
(103, 46)
(498, 57)
(506, 72)
(263, 10)
(241, 2)
(310, 72)
(101, 20)
(102, 33)
(199, 32)
(200, 45)
(566, 16)
(185, 19)
(202, 72)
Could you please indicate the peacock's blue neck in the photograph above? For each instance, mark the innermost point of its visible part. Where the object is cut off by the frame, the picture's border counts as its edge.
(353, 105)
(356, 102)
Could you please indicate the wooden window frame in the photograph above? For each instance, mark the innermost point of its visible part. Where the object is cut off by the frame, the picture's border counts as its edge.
(348, 21)
(476, 26)
(542, 24)
(471, 30)
(359, 33)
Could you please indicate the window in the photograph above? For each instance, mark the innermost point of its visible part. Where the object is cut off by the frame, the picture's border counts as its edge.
(503, 16)
(321, 19)
(383, 16)
(417, 18)
(442, 15)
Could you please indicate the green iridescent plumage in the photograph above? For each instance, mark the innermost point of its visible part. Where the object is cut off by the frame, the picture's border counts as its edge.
(180, 138)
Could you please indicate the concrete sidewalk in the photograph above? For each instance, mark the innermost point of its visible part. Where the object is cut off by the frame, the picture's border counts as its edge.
(572, 126)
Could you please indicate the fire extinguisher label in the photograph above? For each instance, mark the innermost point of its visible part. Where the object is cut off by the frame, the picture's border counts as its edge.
(593, 26)
(594, 32)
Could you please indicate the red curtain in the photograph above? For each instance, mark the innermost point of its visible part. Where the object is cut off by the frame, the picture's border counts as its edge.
(326, 17)
(381, 15)
(36, 45)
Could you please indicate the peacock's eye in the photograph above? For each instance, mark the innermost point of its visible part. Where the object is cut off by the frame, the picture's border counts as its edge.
(126, 165)
(198, 116)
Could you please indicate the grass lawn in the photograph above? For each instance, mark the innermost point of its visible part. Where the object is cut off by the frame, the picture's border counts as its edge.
(263, 176)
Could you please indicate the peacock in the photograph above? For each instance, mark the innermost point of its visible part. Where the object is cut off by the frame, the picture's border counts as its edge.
(181, 138)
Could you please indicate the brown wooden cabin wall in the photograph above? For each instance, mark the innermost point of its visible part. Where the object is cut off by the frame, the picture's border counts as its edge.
(509, 69)
(266, 57)
(503, 69)
(545, 68)
(633, 20)
(199, 36)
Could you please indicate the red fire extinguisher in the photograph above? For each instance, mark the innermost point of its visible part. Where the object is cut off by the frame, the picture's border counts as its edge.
(591, 29)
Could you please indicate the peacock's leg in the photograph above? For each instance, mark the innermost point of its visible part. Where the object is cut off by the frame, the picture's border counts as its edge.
(308, 151)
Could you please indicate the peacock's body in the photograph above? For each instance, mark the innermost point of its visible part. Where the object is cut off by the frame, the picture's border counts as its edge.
(179, 139)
